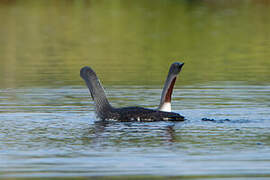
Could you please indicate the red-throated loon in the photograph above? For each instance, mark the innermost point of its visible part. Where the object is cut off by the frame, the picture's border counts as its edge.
(105, 111)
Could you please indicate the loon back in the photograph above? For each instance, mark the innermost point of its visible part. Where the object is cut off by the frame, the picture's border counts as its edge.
(142, 114)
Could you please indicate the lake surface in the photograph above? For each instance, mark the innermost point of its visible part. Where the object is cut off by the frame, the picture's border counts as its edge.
(48, 125)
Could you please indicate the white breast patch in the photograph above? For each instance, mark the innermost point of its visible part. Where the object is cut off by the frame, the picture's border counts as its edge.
(166, 107)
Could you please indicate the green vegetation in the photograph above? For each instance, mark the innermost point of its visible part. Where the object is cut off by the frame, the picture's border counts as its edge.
(133, 42)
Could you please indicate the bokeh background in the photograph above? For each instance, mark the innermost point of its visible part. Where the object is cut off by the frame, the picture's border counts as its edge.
(45, 43)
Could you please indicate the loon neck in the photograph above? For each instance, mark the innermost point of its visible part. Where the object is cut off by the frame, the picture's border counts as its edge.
(96, 90)
(166, 96)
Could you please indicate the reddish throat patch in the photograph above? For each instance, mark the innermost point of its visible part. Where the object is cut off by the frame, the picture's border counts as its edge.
(170, 90)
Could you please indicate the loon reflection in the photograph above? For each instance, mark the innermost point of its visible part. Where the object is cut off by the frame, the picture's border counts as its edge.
(105, 111)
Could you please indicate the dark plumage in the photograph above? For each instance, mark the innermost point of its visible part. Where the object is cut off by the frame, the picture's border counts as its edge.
(106, 112)
(141, 114)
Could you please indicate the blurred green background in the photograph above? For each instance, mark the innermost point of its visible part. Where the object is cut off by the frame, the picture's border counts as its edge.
(45, 43)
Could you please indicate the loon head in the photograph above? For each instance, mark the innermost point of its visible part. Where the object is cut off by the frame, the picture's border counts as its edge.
(175, 68)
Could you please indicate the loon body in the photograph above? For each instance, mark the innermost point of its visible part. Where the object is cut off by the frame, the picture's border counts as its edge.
(105, 111)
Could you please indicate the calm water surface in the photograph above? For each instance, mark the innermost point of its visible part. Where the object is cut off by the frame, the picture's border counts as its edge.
(54, 132)
(48, 126)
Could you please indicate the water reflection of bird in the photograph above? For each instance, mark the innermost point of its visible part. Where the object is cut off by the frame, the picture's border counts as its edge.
(106, 112)
(115, 133)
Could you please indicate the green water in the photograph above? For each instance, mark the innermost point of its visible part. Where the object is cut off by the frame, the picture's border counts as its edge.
(48, 126)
